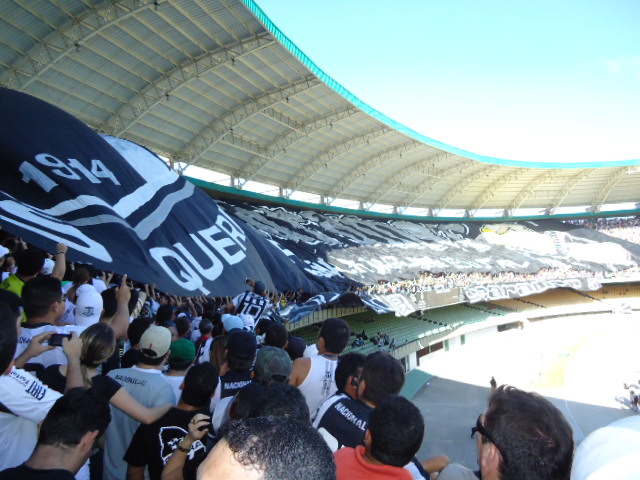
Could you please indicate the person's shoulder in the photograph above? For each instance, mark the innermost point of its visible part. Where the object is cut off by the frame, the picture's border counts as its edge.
(455, 471)
(344, 454)
(27, 473)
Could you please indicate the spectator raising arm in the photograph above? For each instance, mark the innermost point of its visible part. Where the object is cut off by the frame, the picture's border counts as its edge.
(73, 349)
(60, 267)
(35, 348)
(120, 322)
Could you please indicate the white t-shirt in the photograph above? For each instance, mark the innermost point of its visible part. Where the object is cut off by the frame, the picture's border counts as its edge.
(176, 383)
(29, 401)
(51, 357)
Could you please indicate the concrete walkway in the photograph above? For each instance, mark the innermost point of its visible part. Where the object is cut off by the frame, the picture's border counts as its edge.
(579, 363)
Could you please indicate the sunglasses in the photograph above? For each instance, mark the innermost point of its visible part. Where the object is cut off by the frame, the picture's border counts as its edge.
(479, 428)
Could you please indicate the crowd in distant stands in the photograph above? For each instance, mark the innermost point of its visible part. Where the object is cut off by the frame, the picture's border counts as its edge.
(442, 281)
(624, 228)
(101, 380)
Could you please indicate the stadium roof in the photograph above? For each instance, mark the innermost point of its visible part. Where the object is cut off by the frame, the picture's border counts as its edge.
(213, 83)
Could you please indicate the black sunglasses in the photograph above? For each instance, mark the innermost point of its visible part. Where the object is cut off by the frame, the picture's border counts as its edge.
(479, 428)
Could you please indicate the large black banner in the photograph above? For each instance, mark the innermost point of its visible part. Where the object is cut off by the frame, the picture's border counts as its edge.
(340, 249)
(120, 208)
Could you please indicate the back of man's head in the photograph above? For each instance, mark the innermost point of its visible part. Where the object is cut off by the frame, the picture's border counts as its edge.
(383, 375)
(183, 324)
(199, 384)
(272, 366)
(155, 343)
(336, 333)
(136, 329)
(531, 434)
(164, 314)
(8, 335)
(109, 302)
(81, 276)
(276, 335)
(397, 429)
(349, 365)
(205, 326)
(39, 294)
(75, 414)
(277, 448)
(241, 350)
(282, 400)
(30, 262)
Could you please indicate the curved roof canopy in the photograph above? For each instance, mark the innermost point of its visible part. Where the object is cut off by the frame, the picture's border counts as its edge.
(214, 83)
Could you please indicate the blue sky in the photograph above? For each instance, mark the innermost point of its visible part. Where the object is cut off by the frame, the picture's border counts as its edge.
(534, 81)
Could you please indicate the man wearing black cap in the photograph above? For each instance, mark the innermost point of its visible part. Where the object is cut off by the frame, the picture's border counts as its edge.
(236, 372)
(251, 304)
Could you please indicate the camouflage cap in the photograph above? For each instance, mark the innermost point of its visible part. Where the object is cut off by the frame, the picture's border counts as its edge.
(273, 365)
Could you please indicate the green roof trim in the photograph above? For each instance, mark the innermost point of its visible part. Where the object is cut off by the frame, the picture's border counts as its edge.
(253, 197)
(289, 45)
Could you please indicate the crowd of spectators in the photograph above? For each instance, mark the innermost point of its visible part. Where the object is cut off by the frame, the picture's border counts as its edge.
(429, 281)
(624, 228)
(101, 380)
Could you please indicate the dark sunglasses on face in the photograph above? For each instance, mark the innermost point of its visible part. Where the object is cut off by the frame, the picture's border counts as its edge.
(479, 428)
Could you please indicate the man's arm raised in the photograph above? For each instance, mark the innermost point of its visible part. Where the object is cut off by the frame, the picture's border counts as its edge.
(120, 321)
(73, 348)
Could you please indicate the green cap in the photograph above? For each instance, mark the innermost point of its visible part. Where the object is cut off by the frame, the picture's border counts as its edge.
(183, 353)
(273, 365)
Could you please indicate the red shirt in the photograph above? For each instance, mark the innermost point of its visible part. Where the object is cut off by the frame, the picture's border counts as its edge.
(351, 465)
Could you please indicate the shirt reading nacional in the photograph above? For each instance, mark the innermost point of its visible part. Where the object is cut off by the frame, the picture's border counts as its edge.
(342, 421)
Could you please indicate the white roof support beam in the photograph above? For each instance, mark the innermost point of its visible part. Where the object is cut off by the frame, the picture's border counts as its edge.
(169, 83)
(606, 190)
(280, 145)
(437, 175)
(67, 39)
(567, 187)
(490, 192)
(531, 187)
(206, 138)
(469, 179)
(424, 167)
(370, 163)
(324, 158)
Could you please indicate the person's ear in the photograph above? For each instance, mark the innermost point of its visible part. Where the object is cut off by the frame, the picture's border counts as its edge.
(88, 441)
(367, 438)
(362, 388)
(489, 458)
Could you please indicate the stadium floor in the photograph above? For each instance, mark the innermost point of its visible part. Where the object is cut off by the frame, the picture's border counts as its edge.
(579, 363)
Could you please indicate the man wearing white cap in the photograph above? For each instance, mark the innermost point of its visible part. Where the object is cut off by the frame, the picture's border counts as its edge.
(88, 305)
(147, 385)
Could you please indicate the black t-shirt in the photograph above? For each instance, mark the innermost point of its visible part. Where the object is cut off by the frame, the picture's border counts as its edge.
(27, 473)
(153, 444)
(344, 423)
(233, 381)
(105, 386)
(113, 362)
